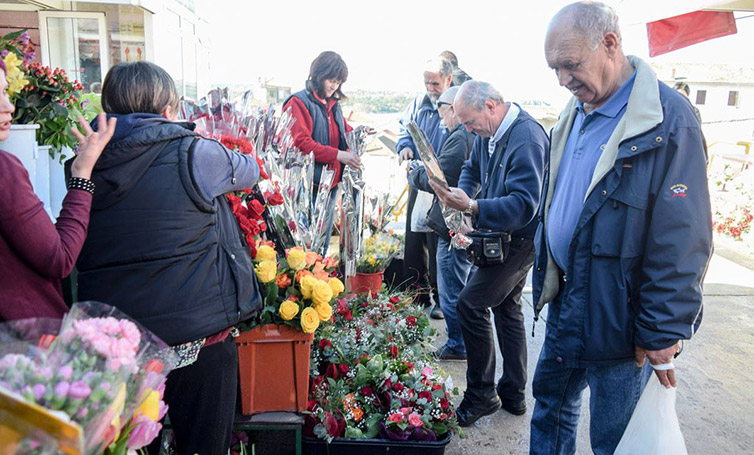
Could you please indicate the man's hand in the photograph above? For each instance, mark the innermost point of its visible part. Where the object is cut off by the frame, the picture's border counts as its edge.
(405, 155)
(349, 159)
(661, 357)
(454, 198)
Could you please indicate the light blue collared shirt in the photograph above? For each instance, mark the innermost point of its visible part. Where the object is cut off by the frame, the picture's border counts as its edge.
(510, 117)
(586, 141)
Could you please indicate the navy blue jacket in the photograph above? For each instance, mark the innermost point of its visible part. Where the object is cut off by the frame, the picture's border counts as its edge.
(423, 112)
(513, 195)
(157, 248)
(643, 240)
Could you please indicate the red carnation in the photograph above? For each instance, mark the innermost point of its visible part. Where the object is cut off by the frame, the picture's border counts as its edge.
(394, 299)
(343, 369)
(398, 387)
(324, 343)
(411, 321)
(394, 351)
(426, 395)
(367, 391)
(444, 404)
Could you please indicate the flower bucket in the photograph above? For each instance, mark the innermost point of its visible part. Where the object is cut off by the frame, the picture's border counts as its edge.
(273, 366)
(367, 282)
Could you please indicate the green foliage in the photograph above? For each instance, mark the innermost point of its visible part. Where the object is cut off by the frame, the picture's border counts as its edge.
(53, 102)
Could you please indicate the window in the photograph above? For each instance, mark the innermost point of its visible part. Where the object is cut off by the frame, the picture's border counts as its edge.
(733, 98)
(701, 96)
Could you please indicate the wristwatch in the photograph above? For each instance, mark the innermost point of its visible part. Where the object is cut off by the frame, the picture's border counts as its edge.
(470, 209)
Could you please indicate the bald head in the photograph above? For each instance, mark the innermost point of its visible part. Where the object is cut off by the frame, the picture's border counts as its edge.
(480, 108)
(475, 93)
(583, 46)
(586, 20)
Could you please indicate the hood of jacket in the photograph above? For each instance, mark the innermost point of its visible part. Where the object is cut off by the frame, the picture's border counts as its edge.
(138, 140)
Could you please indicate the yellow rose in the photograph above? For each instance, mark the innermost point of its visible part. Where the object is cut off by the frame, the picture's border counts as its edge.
(307, 286)
(266, 253)
(321, 293)
(296, 258)
(324, 310)
(309, 320)
(336, 285)
(288, 310)
(150, 407)
(266, 271)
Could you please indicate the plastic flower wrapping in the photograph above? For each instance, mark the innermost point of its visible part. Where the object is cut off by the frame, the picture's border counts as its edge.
(453, 218)
(372, 375)
(352, 208)
(289, 205)
(377, 251)
(97, 368)
(298, 288)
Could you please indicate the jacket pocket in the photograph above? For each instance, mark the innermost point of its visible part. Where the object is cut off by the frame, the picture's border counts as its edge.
(619, 227)
(240, 289)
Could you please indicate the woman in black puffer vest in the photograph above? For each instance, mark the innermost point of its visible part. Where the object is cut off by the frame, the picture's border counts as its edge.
(165, 248)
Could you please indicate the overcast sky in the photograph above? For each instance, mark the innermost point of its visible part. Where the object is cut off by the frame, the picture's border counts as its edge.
(386, 42)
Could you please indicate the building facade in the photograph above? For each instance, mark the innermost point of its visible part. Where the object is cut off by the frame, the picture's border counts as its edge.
(87, 38)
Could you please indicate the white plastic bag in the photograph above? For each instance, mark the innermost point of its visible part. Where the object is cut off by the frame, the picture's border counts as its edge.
(419, 211)
(653, 428)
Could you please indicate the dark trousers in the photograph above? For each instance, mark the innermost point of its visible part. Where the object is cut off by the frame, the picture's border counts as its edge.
(419, 256)
(202, 401)
(499, 288)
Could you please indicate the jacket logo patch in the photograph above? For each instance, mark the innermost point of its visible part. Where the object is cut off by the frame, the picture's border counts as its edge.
(679, 190)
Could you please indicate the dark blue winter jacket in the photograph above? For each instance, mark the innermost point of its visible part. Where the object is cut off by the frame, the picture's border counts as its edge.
(512, 198)
(643, 240)
(159, 249)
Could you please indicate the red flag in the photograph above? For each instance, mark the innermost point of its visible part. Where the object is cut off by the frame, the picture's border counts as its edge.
(673, 33)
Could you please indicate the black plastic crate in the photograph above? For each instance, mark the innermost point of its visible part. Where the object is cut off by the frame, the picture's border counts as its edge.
(346, 446)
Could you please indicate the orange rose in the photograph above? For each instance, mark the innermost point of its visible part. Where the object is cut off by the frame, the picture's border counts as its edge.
(283, 280)
(330, 263)
(358, 414)
(301, 274)
(311, 258)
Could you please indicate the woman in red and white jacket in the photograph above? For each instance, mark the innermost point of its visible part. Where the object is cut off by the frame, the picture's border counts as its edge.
(320, 127)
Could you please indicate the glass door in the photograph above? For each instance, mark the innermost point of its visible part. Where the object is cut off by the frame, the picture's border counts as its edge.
(77, 43)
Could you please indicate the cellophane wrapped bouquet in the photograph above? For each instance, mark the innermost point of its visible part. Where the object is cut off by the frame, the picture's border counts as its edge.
(377, 251)
(98, 367)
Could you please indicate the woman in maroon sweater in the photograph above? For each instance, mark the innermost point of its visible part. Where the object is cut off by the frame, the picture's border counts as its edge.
(34, 253)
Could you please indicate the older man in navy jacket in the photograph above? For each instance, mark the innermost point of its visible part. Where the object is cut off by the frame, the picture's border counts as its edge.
(500, 187)
(625, 236)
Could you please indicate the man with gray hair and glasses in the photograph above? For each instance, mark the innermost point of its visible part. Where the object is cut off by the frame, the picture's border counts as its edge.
(625, 234)
(499, 187)
(420, 248)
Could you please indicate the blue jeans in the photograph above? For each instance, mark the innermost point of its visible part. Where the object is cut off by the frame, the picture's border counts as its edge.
(453, 269)
(613, 393)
